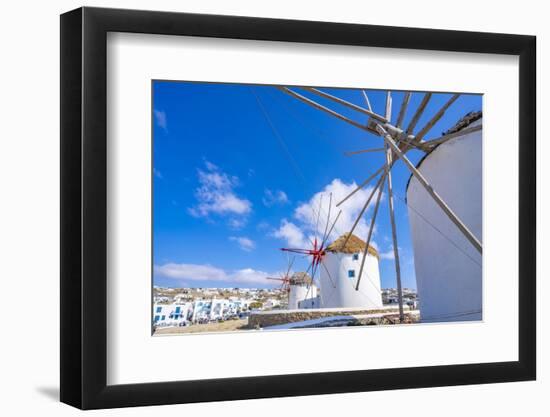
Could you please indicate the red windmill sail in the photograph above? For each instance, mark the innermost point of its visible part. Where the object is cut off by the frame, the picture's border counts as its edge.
(318, 247)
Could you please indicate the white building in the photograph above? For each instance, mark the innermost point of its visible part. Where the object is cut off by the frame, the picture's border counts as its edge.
(301, 289)
(338, 281)
(201, 311)
(448, 268)
(171, 314)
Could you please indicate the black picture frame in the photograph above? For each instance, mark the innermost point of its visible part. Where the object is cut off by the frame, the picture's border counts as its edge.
(84, 207)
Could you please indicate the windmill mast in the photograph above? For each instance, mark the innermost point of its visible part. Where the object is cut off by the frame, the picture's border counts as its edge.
(392, 215)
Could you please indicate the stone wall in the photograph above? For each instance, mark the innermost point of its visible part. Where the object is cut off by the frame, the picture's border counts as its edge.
(272, 318)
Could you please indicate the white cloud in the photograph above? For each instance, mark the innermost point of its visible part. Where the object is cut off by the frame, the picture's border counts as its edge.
(157, 173)
(273, 197)
(389, 255)
(244, 243)
(205, 272)
(192, 272)
(210, 166)
(306, 214)
(216, 195)
(292, 234)
(160, 118)
(237, 224)
(249, 275)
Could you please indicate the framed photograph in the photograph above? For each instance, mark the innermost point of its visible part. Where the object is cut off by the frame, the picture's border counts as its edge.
(259, 208)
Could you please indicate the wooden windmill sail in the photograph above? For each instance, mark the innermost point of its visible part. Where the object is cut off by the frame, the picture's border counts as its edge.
(398, 140)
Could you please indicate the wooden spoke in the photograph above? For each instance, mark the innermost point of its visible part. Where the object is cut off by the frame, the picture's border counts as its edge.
(360, 215)
(318, 216)
(331, 227)
(388, 106)
(403, 109)
(428, 145)
(418, 113)
(367, 99)
(369, 179)
(347, 104)
(321, 107)
(435, 119)
(371, 228)
(439, 201)
(309, 268)
(290, 266)
(296, 250)
(350, 153)
(328, 220)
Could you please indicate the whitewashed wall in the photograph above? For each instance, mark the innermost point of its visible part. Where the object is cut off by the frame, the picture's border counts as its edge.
(448, 268)
(299, 293)
(340, 291)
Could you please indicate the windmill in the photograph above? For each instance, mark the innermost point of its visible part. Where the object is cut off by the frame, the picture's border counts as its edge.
(317, 251)
(397, 141)
(285, 277)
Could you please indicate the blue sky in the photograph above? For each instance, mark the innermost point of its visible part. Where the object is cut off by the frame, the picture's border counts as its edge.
(239, 171)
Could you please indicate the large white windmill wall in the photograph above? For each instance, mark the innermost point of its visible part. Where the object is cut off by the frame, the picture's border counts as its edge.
(338, 288)
(449, 280)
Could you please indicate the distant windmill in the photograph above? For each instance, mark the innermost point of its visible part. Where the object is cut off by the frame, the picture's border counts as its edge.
(285, 277)
(397, 142)
(317, 250)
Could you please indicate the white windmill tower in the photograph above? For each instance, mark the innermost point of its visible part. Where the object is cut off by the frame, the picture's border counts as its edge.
(298, 286)
(303, 291)
(342, 259)
(456, 156)
(446, 208)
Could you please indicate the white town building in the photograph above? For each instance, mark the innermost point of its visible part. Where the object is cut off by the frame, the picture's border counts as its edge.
(339, 279)
(448, 268)
(171, 314)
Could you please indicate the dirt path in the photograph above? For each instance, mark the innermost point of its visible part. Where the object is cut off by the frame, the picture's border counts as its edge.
(225, 326)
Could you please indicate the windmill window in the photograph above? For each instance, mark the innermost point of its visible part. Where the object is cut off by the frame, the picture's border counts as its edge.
(355, 256)
(159, 309)
(157, 318)
(351, 273)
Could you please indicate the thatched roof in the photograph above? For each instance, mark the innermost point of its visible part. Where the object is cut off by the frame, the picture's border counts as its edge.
(300, 278)
(353, 245)
(466, 121)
